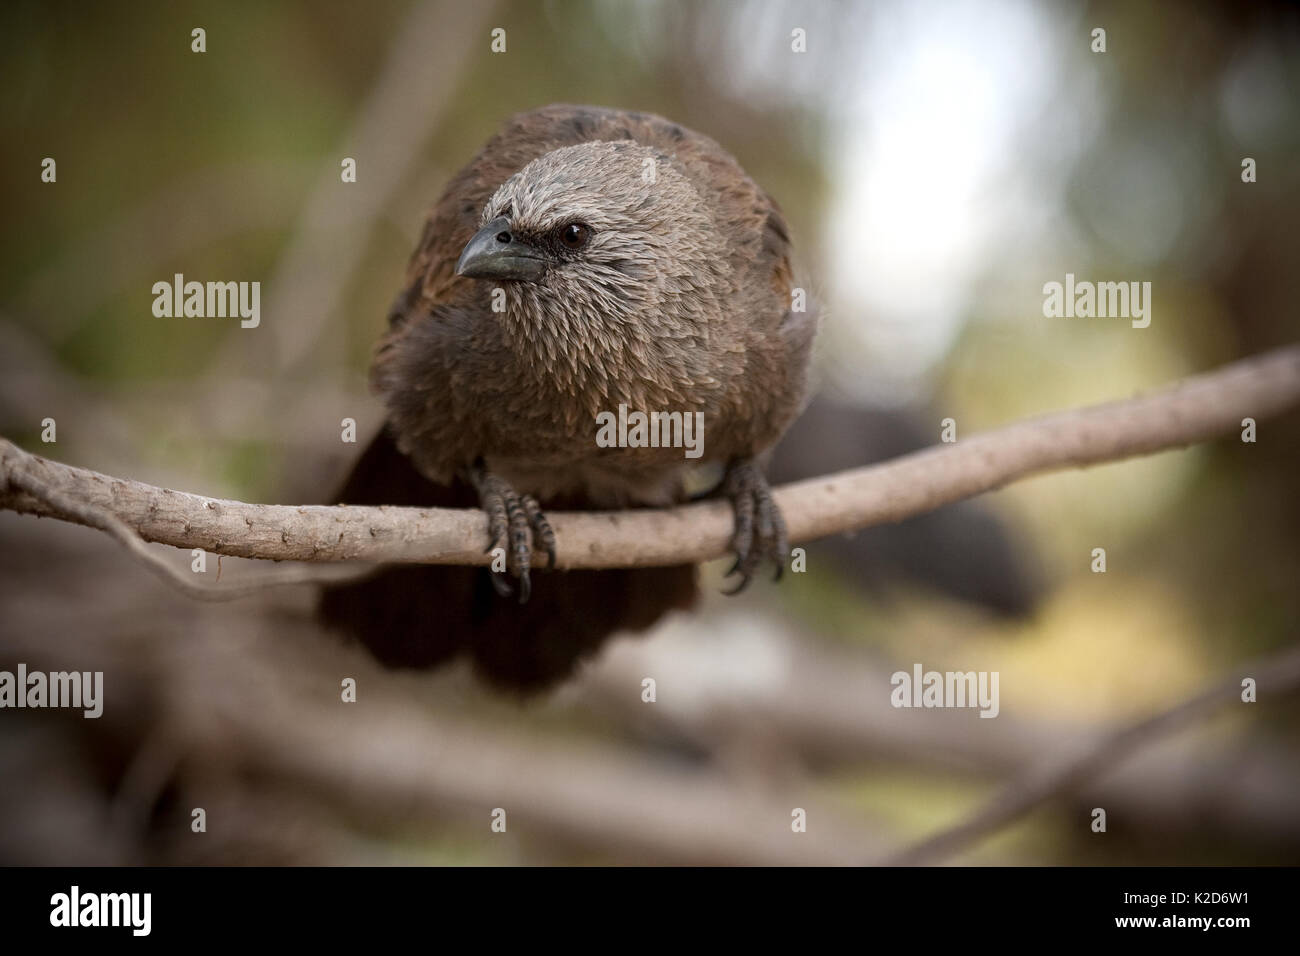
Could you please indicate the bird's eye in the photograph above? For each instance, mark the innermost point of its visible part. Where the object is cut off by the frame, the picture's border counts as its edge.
(575, 235)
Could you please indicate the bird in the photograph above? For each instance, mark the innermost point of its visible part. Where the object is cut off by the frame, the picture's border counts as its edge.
(587, 259)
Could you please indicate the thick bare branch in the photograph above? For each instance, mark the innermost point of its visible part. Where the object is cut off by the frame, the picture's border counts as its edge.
(74, 509)
(1195, 409)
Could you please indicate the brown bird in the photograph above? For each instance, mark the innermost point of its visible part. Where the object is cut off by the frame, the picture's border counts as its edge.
(585, 259)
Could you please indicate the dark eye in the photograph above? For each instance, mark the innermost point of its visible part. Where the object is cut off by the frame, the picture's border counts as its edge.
(575, 235)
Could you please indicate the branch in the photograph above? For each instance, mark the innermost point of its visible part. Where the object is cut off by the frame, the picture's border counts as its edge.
(1280, 674)
(1196, 409)
(68, 506)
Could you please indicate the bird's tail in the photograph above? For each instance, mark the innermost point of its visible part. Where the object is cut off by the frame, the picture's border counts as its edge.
(422, 616)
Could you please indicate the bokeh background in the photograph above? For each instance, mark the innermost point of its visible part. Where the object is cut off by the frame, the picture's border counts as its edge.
(938, 163)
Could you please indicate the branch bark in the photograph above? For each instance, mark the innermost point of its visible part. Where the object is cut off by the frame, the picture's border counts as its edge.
(1196, 409)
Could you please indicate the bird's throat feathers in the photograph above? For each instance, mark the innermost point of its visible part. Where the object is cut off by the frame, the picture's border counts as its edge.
(608, 334)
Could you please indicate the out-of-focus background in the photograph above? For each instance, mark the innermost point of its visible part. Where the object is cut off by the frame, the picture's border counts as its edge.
(938, 163)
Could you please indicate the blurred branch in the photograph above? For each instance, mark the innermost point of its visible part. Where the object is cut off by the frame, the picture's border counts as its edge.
(384, 768)
(1195, 409)
(594, 795)
(418, 80)
(244, 719)
(744, 683)
(1276, 675)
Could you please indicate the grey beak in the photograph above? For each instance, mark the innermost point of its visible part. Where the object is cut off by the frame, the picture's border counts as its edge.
(494, 253)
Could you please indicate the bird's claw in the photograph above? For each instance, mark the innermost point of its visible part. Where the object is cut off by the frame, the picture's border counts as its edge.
(514, 522)
(759, 530)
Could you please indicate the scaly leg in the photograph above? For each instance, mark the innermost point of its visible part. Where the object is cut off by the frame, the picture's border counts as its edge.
(760, 530)
(516, 520)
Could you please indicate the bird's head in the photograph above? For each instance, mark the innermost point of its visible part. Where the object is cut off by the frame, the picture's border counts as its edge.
(608, 240)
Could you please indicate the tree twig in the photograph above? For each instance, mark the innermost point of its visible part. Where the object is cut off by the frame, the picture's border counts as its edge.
(67, 506)
(1275, 676)
(1195, 409)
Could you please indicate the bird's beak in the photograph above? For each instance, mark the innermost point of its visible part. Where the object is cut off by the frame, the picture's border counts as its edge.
(494, 253)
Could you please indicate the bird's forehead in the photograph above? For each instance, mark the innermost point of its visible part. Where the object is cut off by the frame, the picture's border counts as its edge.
(591, 181)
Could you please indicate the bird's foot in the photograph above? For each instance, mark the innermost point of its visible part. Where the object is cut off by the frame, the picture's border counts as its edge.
(515, 522)
(760, 529)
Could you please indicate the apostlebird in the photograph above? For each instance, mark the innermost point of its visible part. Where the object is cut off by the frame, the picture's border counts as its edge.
(585, 259)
